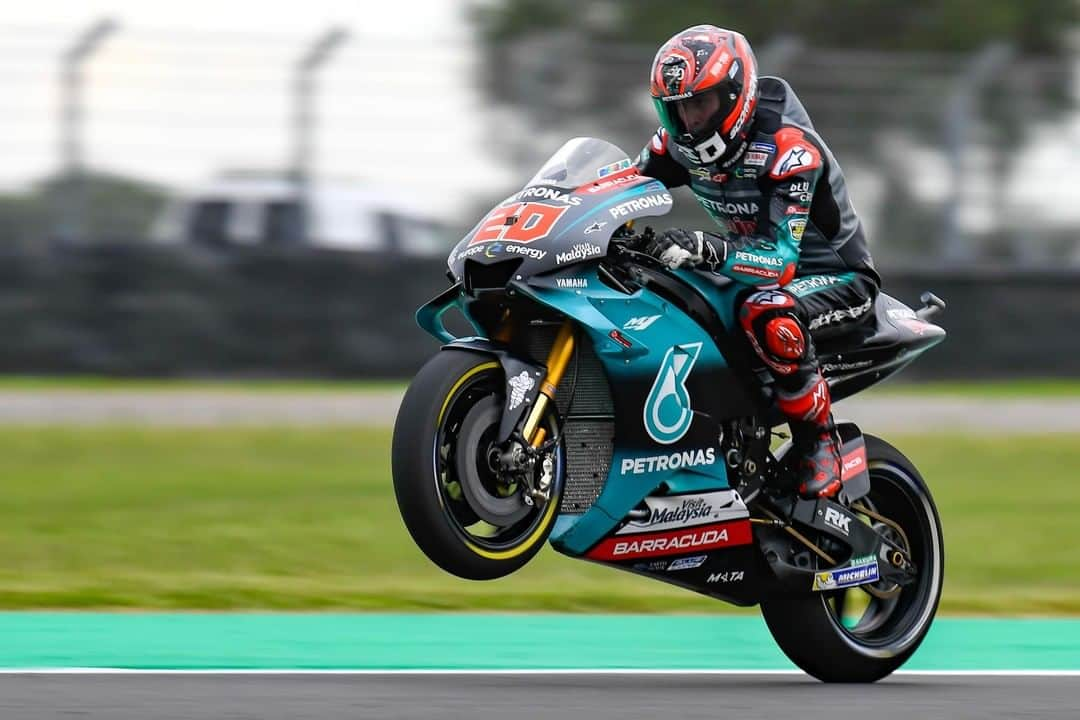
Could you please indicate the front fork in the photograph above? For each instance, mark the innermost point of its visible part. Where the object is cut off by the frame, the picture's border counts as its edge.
(532, 432)
(558, 360)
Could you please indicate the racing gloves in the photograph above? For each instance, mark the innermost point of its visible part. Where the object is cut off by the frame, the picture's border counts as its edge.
(678, 248)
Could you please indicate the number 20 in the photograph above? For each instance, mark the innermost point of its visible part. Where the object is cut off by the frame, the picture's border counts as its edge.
(534, 221)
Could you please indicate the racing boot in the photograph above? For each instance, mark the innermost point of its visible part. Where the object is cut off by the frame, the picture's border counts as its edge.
(814, 435)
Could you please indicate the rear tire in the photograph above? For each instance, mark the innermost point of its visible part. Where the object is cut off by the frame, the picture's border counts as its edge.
(806, 627)
(449, 407)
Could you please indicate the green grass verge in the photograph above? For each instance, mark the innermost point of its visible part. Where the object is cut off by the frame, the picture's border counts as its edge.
(36, 384)
(305, 520)
(1017, 388)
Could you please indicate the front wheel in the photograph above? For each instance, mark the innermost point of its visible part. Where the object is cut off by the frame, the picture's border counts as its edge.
(465, 513)
(863, 634)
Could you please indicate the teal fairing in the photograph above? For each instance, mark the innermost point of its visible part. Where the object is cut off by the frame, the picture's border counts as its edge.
(666, 373)
(631, 372)
(652, 330)
(656, 400)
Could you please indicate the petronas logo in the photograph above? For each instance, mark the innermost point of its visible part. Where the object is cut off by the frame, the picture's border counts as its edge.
(667, 409)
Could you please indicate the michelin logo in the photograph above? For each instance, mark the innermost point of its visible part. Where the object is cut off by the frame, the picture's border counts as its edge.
(519, 385)
(846, 577)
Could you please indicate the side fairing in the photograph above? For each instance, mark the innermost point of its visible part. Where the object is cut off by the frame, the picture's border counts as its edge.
(671, 389)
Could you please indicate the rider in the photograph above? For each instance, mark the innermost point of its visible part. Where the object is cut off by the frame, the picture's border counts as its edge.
(747, 149)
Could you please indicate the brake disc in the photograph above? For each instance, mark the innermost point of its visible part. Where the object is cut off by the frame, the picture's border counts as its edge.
(479, 481)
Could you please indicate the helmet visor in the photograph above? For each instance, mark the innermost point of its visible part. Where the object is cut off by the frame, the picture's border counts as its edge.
(697, 117)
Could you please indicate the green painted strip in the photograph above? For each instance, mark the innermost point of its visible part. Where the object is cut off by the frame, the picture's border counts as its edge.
(281, 641)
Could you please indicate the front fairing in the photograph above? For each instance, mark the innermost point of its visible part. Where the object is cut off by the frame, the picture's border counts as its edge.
(565, 215)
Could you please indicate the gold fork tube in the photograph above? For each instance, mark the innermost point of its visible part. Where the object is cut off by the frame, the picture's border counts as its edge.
(557, 361)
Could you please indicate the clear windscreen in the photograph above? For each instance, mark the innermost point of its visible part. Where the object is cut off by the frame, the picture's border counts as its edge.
(580, 161)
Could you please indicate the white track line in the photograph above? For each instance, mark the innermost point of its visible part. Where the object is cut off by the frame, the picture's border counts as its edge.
(583, 671)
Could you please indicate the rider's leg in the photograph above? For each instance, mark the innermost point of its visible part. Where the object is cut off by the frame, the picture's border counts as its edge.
(778, 336)
(782, 326)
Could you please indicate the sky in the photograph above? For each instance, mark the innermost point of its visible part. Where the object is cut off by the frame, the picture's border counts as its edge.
(181, 91)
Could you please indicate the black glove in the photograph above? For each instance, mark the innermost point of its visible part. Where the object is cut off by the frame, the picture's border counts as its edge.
(678, 248)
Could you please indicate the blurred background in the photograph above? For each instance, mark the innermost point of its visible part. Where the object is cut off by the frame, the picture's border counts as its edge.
(217, 220)
(180, 185)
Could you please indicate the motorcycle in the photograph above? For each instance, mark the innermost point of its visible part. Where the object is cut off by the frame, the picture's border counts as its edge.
(612, 407)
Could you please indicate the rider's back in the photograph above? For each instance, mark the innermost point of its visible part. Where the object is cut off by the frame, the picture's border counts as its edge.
(833, 239)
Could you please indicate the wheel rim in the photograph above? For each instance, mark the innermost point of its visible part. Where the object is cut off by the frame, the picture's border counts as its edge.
(486, 511)
(887, 626)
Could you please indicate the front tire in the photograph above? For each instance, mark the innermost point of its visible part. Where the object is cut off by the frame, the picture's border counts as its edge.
(459, 511)
(814, 631)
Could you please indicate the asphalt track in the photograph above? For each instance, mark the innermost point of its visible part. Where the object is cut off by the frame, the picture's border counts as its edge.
(880, 413)
(490, 696)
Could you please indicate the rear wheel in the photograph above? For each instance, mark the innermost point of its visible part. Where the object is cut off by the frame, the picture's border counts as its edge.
(862, 634)
(468, 515)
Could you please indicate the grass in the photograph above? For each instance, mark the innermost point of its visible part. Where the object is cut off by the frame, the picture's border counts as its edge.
(95, 383)
(1012, 388)
(305, 520)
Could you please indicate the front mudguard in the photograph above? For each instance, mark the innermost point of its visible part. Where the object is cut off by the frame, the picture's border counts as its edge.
(523, 380)
(523, 377)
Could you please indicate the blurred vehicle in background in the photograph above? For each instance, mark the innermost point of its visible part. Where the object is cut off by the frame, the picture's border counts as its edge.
(259, 208)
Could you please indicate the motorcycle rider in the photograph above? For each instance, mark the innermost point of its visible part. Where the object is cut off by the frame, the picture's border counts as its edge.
(747, 149)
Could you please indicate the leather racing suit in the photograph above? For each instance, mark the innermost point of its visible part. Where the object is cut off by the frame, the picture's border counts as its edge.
(791, 233)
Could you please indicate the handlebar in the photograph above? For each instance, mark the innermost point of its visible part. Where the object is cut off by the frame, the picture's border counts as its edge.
(629, 246)
(626, 259)
(629, 260)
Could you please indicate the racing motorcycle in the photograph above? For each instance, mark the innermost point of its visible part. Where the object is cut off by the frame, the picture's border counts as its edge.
(612, 407)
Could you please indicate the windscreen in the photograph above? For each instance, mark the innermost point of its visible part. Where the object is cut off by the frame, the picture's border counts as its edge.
(580, 161)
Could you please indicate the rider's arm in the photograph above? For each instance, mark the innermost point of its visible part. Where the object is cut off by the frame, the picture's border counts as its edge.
(656, 162)
(770, 258)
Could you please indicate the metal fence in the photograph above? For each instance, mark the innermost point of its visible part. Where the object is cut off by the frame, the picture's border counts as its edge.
(952, 159)
(173, 109)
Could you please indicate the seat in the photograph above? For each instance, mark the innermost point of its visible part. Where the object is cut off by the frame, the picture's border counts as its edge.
(892, 334)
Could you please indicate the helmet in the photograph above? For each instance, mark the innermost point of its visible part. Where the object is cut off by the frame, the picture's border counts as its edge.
(704, 86)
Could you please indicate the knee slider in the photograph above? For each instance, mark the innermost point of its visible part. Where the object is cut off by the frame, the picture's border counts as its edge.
(784, 338)
(775, 333)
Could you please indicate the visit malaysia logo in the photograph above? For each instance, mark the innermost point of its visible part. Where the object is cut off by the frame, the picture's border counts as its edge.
(667, 409)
